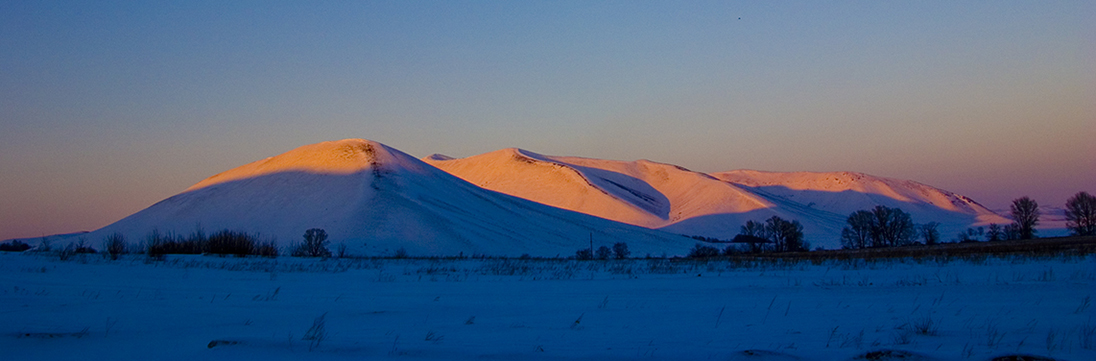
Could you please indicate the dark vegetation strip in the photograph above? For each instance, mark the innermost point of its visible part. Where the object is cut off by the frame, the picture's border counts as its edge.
(1044, 247)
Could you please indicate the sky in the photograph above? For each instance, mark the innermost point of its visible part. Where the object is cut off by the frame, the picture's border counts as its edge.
(109, 107)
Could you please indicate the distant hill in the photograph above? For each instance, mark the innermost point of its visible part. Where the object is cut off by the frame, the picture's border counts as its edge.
(376, 199)
(675, 199)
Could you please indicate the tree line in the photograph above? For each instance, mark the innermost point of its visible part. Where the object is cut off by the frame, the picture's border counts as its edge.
(892, 227)
(884, 226)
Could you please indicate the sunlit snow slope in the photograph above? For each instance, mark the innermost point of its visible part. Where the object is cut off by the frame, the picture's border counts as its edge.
(847, 192)
(674, 199)
(376, 199)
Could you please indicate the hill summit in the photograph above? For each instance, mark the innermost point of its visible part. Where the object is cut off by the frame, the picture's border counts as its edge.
(376, 199)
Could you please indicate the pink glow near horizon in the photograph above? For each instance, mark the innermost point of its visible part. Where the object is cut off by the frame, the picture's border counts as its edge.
(107, 109)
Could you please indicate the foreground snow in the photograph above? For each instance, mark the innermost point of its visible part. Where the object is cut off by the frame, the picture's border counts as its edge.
(541, 309)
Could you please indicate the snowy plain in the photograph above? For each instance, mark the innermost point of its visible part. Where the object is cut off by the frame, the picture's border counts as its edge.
(214, 308)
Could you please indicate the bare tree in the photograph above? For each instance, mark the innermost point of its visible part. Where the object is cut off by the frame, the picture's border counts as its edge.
(702, 251)
(603, 252)
(620, 250)
(994, 233)
(315, 244)
(786, 236)
(929, 233)
(1025, 215)
(1081, 214)
(1011, 231)
(755, 229)
(858, 232)
(892, 227)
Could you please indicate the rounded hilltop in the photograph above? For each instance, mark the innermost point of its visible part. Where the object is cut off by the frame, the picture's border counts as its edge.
(345, 156)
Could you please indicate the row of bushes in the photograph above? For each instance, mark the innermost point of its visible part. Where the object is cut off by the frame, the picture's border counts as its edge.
(619, 251)
(156, 245)
(225, 242)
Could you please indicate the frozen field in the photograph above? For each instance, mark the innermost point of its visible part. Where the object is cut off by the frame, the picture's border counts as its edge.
(212, 308)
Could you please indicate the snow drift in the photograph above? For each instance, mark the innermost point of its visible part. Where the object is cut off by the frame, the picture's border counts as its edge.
(376, 199)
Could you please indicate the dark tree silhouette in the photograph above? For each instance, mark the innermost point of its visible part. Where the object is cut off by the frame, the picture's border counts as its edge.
(929, 233)
(858, 232)
(753, 244)
(994, 233)
(584, 254)
(702, 251)
(1025, 215)
(315, 244)
(756, 229)
(1081, 214)
(880, 227)
(1010, 232)
(115, 245)
(892, 227)
(14, 245)
(603, 252)
(786, 236)
(620, 250)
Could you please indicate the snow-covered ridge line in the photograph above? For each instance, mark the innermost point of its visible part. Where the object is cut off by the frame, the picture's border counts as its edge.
(376, 200)
(716, 204)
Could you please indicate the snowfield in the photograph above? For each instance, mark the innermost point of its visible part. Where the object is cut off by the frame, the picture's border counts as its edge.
(214, 308)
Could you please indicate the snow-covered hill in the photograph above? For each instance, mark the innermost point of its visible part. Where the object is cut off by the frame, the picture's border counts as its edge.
(376, 199)
(674, 199)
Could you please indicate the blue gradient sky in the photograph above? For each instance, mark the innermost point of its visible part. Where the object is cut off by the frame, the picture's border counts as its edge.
(108, 108)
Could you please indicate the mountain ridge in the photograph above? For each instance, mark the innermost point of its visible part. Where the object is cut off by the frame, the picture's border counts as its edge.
(377, 199)
(716, 204)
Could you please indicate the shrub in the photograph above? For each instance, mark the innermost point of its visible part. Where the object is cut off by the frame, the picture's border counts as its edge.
(702, 251)
(115, 245)
(584, 254)
(736, 249)
(267, 249)
(230, 242)
(603, 252)
(78, 247)
(315, 244)
(14, 246)
(401, 253)
(158, 244)
(620, 250)
(81, 247)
